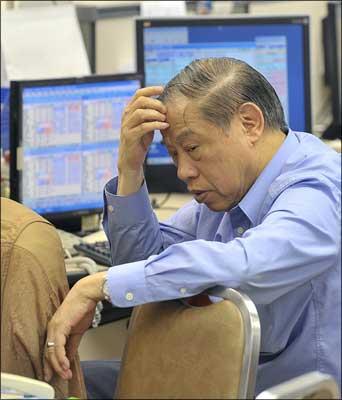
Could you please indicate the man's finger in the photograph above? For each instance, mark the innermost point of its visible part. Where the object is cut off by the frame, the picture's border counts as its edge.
(144, 102)
(60, 352)
(146, 127)
(72, 346)
(48, 372)
(140, 116)
(148, 92)
(50, 355)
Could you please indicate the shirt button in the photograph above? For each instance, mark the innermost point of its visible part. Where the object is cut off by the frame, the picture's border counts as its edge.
(110, 208)
(182, 290)
(240, 230)
(129, 296)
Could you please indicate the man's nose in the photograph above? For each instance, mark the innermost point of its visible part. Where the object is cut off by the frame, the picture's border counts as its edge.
(186, 169)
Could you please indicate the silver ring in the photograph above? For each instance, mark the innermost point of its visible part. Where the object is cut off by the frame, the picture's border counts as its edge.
(50, 344)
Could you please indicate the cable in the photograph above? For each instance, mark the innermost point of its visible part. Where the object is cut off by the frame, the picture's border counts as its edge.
(156, 205)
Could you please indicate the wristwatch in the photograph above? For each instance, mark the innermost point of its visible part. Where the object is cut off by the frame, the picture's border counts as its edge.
(105, 290)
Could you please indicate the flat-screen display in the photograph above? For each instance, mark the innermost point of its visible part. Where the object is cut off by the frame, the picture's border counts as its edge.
(4, 116)
(278, 47)
(65, 141)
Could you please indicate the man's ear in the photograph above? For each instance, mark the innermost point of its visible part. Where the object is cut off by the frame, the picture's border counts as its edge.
(252, 120)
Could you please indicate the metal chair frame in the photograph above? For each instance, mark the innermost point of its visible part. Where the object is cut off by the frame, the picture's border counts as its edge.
(251, 324)
(303, 387)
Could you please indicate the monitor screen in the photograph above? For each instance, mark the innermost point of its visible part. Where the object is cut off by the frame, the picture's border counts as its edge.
(331, 25)
(4, 115)
(278, 47)
(66, 137)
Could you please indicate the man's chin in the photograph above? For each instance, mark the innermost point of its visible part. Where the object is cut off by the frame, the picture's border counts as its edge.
(215, 205)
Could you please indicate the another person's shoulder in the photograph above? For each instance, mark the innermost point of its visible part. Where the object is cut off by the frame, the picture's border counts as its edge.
(15, 218)
(18, 213)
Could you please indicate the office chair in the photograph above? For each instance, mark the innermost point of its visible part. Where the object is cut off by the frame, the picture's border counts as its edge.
(313, 385)
(178, 351)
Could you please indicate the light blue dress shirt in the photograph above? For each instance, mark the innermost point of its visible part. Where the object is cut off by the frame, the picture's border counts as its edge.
(281, 245)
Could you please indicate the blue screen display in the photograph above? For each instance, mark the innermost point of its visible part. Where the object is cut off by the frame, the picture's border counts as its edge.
(70, 140)
(4, 114)
(275, 50)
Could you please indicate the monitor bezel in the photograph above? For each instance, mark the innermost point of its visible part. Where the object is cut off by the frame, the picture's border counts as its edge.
(169, 171)
(16, 134)
(332, 67)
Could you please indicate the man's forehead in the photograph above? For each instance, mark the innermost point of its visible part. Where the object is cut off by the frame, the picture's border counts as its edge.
(181, 108)
(183, 116)
(177, 137)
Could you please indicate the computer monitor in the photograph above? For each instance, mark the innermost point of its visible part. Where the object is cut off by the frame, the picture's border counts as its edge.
(332, 62)
(64, 143)
(4, 116)
(277, 46)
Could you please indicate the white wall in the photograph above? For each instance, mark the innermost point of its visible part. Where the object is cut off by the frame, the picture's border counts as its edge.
(36, 47)
(115, 46)
(115, 51)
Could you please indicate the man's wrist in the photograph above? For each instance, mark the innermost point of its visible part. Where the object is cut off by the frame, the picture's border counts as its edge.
(92, 286)
(129, 183)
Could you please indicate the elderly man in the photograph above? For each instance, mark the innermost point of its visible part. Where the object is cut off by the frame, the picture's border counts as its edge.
(265, 219)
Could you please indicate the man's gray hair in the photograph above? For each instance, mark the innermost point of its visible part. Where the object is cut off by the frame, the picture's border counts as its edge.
(220, 85)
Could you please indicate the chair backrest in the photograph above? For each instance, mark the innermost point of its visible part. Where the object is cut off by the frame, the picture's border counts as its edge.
(313, 385)
(181, 352)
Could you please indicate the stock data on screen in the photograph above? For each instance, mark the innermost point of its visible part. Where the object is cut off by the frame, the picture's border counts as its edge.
(70, 139)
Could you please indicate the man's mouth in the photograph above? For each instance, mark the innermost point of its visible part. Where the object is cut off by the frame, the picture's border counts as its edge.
(199, 195)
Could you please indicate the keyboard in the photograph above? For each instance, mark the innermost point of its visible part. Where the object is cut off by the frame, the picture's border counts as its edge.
(98, 251)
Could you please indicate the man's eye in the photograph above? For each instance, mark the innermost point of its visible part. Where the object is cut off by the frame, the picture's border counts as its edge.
(190, 149)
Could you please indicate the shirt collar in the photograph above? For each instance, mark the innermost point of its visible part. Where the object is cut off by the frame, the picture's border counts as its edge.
(254, 198)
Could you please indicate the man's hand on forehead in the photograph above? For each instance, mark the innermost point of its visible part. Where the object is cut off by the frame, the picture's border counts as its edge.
(143, 115)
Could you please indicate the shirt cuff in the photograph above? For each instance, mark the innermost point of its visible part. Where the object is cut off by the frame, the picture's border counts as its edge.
(133, 208)
(127, 285)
